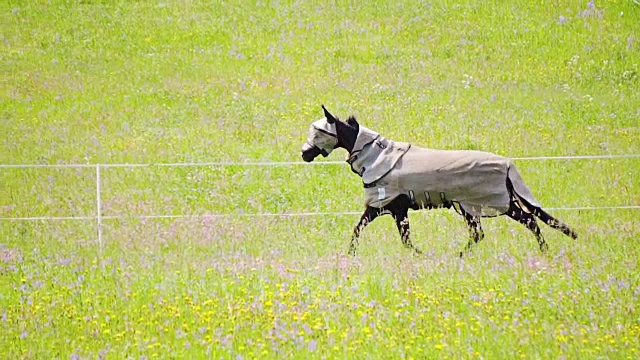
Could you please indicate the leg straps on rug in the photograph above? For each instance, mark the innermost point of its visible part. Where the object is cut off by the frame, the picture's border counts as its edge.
(427, 203)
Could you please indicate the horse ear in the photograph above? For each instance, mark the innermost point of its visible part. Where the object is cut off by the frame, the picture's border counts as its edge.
(352, 121)
(327, 114)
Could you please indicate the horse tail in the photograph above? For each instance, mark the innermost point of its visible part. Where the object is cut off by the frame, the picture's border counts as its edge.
(554, 223)
(527, 206)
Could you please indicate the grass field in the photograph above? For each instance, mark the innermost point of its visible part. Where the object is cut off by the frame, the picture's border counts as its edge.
(107, 82)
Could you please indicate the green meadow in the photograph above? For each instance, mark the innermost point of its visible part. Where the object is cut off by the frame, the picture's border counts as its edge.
(261, 271)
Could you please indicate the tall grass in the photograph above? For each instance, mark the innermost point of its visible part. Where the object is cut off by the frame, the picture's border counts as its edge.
(140, 82)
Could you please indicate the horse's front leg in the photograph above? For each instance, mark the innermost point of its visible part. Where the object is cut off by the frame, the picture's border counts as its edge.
(369, 215)
(400, 215)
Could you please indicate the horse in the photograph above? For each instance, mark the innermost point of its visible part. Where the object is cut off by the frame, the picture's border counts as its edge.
(398, 176)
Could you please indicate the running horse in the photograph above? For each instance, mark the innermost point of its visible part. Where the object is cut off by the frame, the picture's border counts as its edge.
(398, 176)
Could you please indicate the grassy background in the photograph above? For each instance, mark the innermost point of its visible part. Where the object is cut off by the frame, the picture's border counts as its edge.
(181, 81)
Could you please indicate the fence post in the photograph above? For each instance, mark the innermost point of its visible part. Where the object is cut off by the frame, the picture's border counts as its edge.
(98, 206)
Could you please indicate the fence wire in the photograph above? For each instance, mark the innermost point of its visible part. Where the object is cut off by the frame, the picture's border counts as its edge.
(274, 215)
(291, 163)
(99, 217)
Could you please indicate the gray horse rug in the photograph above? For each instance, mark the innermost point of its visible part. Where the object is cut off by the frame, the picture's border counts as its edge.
(473, 181)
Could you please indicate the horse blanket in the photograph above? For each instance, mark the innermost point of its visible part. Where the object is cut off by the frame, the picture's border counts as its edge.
(475, 181)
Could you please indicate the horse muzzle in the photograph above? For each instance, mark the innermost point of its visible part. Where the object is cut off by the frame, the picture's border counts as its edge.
(310, 152)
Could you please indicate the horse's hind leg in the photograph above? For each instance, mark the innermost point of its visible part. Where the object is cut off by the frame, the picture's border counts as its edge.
(529, 221)
(518, 203)
(475, 231)
(554, 223)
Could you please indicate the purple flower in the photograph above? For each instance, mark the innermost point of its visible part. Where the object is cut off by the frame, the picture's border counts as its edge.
(313, 345)
(562, 20)
(364, 318)
(591, 11)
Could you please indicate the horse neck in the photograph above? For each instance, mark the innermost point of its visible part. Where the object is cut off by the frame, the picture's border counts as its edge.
(347, 136)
